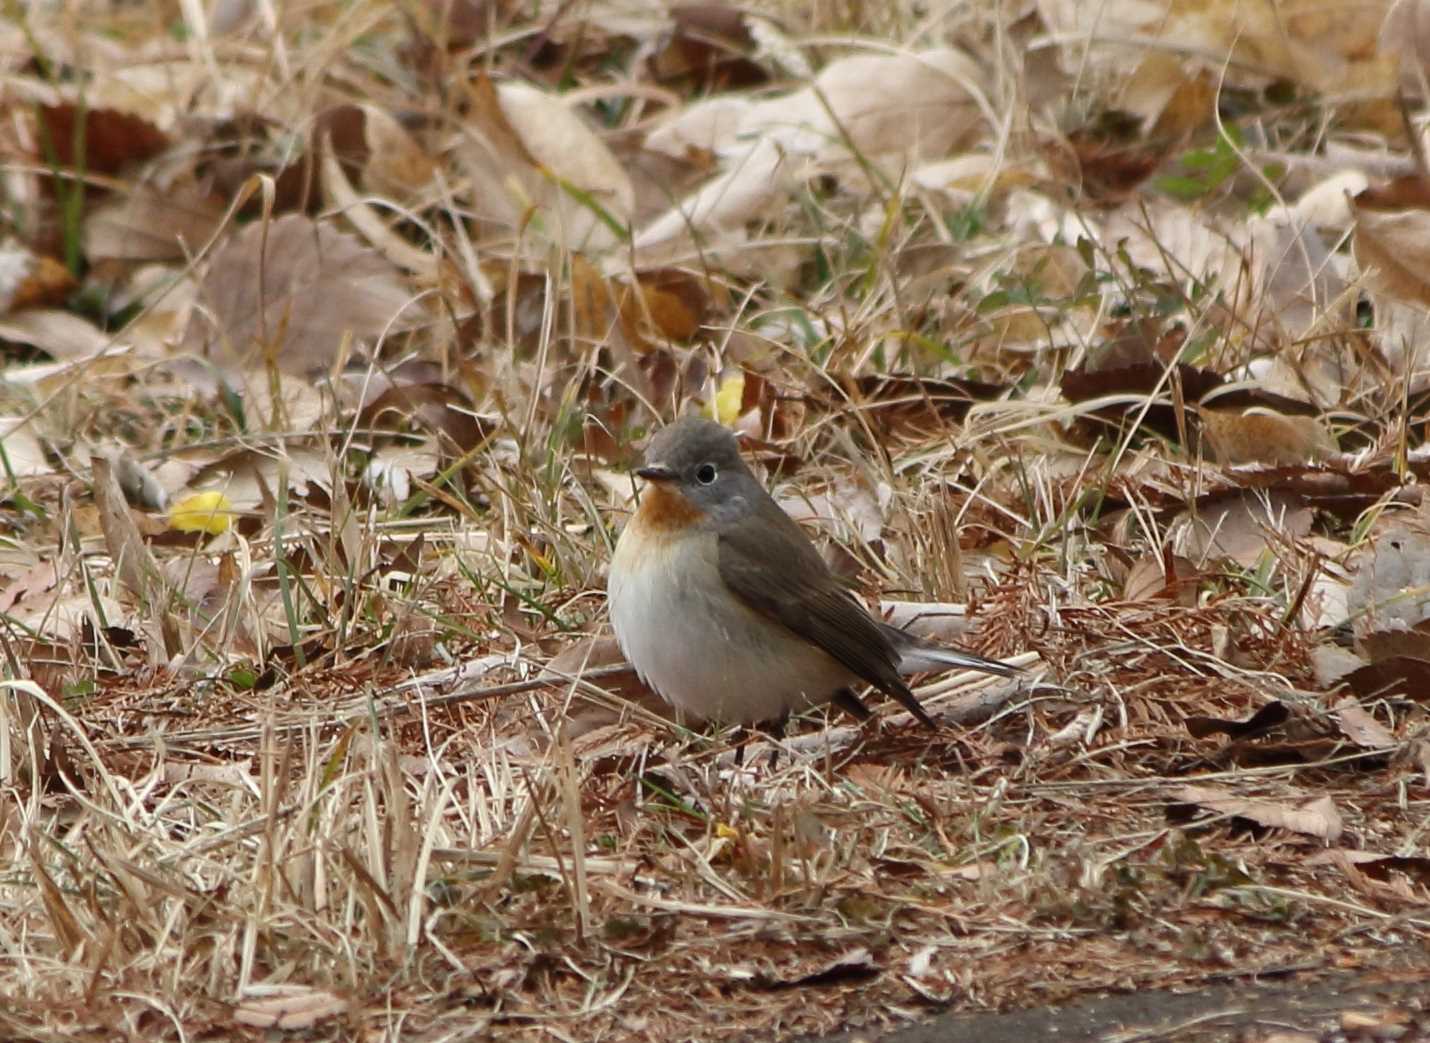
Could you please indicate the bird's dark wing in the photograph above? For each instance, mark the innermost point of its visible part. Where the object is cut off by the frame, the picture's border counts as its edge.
(851, 704)
(797, 590)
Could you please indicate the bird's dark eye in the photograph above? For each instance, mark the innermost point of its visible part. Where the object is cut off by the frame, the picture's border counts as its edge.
(705, 474)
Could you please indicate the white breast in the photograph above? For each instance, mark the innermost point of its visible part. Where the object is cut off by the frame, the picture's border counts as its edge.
(702, 649)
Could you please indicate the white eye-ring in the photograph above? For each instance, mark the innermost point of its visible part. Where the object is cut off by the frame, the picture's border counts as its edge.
(706, 474)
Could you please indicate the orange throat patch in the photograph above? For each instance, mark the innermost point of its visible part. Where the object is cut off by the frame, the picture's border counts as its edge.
(666, 512)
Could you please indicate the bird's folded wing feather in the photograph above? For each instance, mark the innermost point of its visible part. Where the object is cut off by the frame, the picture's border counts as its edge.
(775, 570)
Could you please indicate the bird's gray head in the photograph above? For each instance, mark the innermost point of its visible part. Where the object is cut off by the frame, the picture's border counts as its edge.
(701, 460)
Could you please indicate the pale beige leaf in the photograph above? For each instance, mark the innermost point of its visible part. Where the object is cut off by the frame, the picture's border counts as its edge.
(963, 177)
(1148, 578)
(749, 187)
(368, 220)
(245, 476)
(60, 334)
(68, 613)
(1296, 281)
(534, 165)
(584, 655)
(1178, 244)
(1391, 588)
(776, 45)
(1402, 334)
(1327, 602)
(848, 509)
(294, 1008)
(711, 125)
(398, 167)
(943, 621)
(1155, 81)
(294, 289)
(1327, 204)
(1079, 20)
(1360, 727)
(237, 774)
(149, 225)
(1342, 856)
(393, 470)
(1313, 372)
(1393, 251)
(160, 90)
(35, 583)
(564, 147)
(1081, 729)
(1318, 818)
(23, 453)
(1323, 46)
(1405, 36)
(920, 105)
(914, 105)
(1330, 663)
(1240, 527)
(167, 297)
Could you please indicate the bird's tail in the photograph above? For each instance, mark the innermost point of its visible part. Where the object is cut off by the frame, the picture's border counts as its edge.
(917, 656)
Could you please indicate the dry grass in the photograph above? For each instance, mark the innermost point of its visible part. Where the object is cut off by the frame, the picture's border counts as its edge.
(325, 771)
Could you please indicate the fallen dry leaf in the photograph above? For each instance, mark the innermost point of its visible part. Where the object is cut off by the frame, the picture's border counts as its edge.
(709, 50)
(1361, 728)
(1318, 818)
(150, 225)
(535, 162)
(1391, 588)
(21, 453)
(666, 304)
(60, 334)
(34, 584)
(1393, 250)
(391, 163)
(293, 290)
(1266, 438)
(855, 965)
(295, 1007)
(1394, 675)
(106, 140)
(1331, 663)
(1164, 575)
(750, 186)
(1241, 527)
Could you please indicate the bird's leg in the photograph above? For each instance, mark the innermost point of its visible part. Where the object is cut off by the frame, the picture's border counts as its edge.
(775, 729)
(742, 738)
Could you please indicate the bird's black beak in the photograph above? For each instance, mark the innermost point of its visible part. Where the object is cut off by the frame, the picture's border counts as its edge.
(656, 473)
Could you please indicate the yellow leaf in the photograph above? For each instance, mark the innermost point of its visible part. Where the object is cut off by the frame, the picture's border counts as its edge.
(202, 512)
(725, 832)
(729, 398)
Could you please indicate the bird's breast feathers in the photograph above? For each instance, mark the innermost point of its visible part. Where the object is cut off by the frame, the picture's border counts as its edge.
(665, 512)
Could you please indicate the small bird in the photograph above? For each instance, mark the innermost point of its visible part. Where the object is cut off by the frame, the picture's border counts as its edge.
(724, 606)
